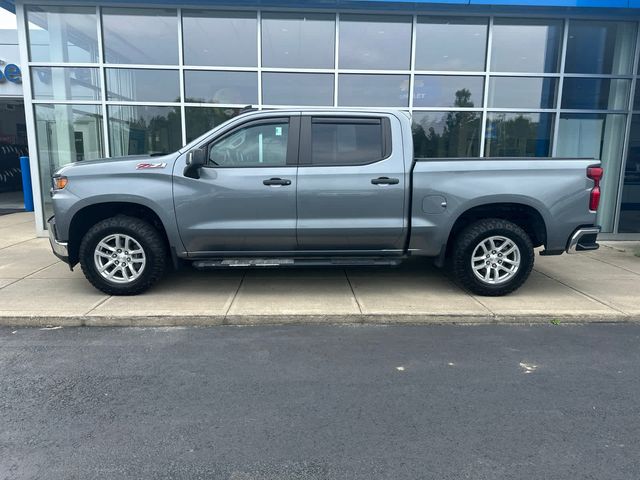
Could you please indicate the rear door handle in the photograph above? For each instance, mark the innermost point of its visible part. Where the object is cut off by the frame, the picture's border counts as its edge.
(277, 182)
(385, 181)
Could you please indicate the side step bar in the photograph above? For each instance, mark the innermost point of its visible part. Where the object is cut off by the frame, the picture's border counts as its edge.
(296, 262)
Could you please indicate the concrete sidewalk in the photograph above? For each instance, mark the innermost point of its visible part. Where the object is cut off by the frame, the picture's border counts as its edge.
(37, 289)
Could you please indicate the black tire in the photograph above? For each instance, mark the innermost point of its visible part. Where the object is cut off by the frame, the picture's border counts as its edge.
(469, 238)
(145, 234)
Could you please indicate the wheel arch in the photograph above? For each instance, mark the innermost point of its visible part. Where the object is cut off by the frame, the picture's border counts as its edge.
(89, 215)
(525, 216)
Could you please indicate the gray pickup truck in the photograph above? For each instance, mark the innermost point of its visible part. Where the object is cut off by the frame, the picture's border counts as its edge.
(319, 187)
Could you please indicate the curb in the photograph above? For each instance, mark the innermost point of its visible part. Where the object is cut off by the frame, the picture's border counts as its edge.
(247, 320)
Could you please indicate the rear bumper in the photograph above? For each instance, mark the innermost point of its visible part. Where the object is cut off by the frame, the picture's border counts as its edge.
(584, 240)
(60, 249)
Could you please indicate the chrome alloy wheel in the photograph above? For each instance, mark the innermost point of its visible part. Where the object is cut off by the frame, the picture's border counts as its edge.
(119, 258)
(495, 260)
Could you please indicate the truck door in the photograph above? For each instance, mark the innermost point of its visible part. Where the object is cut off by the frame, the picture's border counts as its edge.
(245, 198)
(351, 184)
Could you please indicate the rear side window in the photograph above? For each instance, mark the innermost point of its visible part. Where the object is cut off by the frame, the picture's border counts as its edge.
(347, 141)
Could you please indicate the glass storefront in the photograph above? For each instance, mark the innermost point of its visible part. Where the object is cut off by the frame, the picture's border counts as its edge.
(66, 133)
(475, 86)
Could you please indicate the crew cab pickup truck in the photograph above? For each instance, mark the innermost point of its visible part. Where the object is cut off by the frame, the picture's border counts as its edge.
(319, 187)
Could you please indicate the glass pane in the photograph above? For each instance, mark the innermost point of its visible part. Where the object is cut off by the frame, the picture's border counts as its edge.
(525, 45)
(451, 43)
(447, 91)
(446, 134)
(345, 143)
(62, 83)
(263, 145)
(522, 92)
(202, 119)
(357, 90)
(62, 34)
(636, 97)
(65, 134)
(225, 39)
(124, 84)
(298, 40)
(135, 129)
(375, 42)
(144, 36)
(598, 136)
(297, 89)
(610, 46)
(630, 208)
(518, 134)
(221, 87)
(595, 93)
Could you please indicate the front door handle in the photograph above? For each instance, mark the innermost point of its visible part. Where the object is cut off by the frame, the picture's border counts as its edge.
(277, 182)
(385, 181)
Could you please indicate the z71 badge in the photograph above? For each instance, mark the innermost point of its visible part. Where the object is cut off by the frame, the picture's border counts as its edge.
(142, 166)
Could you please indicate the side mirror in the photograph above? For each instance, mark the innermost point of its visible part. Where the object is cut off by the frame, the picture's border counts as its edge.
(196, 159)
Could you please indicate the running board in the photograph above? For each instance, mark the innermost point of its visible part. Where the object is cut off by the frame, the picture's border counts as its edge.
(296, 262)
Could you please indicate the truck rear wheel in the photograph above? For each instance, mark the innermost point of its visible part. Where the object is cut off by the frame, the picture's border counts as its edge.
(122, 255)
(492, 257)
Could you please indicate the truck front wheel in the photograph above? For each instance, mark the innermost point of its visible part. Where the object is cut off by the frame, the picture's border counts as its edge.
(492, 257)
(122, 255)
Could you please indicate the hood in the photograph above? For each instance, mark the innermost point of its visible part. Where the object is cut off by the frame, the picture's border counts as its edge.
(112, 160)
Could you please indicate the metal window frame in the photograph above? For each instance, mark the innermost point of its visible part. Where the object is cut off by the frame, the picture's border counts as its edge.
(412, 72)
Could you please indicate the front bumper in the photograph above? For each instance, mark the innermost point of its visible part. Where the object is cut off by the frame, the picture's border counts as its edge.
(60, 249)
(584, 240)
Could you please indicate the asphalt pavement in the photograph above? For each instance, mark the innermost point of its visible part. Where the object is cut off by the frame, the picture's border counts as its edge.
(321, 402)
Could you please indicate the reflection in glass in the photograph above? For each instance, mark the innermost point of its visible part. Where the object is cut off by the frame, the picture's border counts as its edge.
(447, 91)
(62, 34)
(446, 134)
(525, 45)
(297, 89)
(599, 136)
(224, 39)
(355, 90)
(630, 208)
(221, 87)
(610, 47)
(380, 42)
(595, 93)
(65, 134)
(518, 134)
(202, 119)
(298, 40)
(135, 129)
(451, 43)
(636, 97)
(146, 36)
(522, 92)
(128, 84)
(65, 83)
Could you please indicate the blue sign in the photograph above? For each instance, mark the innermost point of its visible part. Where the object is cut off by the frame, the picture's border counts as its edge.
(11, 72)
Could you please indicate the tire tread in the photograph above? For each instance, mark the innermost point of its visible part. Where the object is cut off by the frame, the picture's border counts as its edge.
(150, 238)
(469, 238)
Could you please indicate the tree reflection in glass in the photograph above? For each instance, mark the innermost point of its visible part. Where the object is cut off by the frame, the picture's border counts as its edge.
(518, 134)
(448, 134)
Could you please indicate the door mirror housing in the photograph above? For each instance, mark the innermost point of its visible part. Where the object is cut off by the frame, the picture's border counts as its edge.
(196, 159)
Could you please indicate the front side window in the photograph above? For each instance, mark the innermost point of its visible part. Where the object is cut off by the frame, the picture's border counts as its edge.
(346, 143)
(257, 145)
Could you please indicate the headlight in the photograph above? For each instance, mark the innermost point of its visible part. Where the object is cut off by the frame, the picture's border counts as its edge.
(59, 182)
